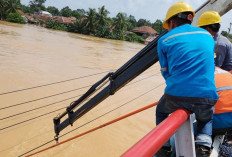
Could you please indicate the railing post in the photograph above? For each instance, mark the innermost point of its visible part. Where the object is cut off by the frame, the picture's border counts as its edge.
(184, 139)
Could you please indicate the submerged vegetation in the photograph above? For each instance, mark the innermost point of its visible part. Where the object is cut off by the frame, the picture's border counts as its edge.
(15, 17)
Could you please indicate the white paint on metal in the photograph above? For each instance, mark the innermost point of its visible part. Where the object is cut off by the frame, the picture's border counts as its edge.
(216, 144)
(184, 140)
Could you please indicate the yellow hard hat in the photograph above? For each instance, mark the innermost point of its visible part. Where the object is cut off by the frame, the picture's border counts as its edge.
(175, 9)
(208, 18)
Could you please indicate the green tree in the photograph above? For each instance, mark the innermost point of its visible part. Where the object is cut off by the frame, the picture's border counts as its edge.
(224, 33)
(134, 38)
(42, 7)
(143, 22)
(103, 28)
(37, 5)
(91, 21)
(15, 17)
(53, 10)
(120, 26)
(82, 12)
(39, 2)
(158, 26)
(8, 6)
(131, 22)
(102, 16)
(57, 26)
(78, 27)
(76, 14)
(103, 31)
(11, 6)
(2, 8)
(66, 12)
(26, 9)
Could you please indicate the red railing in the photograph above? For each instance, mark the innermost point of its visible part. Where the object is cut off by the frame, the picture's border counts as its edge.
(153, 141)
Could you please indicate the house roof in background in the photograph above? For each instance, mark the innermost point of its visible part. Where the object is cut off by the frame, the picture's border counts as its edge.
(144, 29)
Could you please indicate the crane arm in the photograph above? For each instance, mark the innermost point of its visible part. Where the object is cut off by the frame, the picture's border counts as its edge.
(131, 69)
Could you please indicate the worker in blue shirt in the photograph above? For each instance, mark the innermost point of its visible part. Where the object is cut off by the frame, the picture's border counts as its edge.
(210, 20)
(186, 56)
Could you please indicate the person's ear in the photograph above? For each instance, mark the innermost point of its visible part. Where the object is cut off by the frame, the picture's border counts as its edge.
(171, 25)
(210, 31)
(190, 17)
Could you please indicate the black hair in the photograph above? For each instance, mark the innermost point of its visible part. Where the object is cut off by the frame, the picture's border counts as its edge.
(214, 27)
(181, 18)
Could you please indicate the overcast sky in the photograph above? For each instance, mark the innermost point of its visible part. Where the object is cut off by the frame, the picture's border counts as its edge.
(146, 9)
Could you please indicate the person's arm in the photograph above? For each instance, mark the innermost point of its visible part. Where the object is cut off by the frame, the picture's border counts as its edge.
(163, 61)
(221, 52)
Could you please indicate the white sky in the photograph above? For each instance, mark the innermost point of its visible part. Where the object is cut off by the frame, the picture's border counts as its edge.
(146, 9)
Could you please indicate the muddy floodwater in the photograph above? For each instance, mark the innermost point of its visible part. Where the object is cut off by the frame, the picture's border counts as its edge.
(32, 56)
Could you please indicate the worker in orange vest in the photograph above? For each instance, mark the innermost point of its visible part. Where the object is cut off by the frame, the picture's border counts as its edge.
(222, 118)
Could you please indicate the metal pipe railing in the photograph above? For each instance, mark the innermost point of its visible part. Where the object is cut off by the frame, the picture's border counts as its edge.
(153, 141)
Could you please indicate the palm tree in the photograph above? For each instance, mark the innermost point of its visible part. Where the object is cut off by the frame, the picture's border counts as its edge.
(36, 5)
(39, 2)
(102, 16)
(120, 25)
(2, 8)
(91, 21)
(11, 6)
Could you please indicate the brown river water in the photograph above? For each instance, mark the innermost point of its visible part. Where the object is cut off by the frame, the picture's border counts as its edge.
(32, 56)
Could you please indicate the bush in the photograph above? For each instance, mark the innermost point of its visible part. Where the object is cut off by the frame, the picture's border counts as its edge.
(102, 31)
(78, 27)
(57, 26)
(135, 38)
(41, 22)
(15, 17)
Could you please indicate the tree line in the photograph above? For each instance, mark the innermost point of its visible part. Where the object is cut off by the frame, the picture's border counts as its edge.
(90, 22)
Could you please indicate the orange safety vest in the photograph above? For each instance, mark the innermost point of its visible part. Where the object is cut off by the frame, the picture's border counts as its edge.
(222, 118)
(223, 81)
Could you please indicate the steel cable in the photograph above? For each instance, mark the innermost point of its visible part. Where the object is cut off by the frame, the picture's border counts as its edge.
(31, 119)
(38, 108)
(50, 83)
(64, 100)
(10, 106)
(91, 120)
(40, 116)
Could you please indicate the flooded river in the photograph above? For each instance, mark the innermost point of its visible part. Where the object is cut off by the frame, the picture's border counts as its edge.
(32, 56)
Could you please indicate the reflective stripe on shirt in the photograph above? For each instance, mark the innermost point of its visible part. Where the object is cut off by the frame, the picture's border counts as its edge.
(186, 33)
(224, 88)
(218, 71)
(164, 69)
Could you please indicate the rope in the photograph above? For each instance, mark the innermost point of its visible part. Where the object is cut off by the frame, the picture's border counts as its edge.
(50, 84)
(94, 129)
(97, 117)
